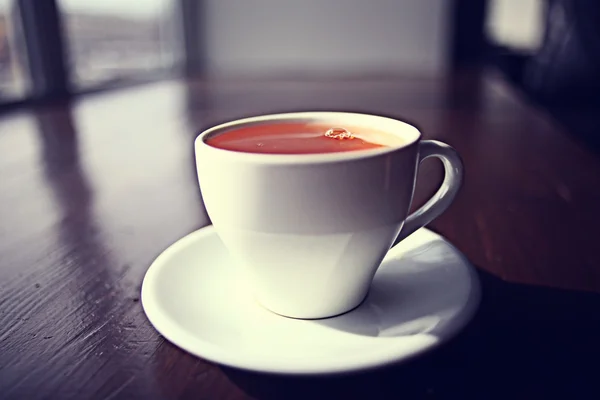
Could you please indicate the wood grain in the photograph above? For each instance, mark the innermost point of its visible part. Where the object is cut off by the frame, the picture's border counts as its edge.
(91, 191)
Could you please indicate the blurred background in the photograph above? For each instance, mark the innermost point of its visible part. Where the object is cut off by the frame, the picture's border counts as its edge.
(547, 48)
(112, 41)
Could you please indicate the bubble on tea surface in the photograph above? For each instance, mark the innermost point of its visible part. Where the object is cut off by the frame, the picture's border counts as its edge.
(339, 134)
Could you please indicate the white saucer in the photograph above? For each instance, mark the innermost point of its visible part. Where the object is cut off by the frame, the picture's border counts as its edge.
(424, 293)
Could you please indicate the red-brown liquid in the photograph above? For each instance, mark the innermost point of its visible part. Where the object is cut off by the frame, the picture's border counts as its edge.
(297, 138)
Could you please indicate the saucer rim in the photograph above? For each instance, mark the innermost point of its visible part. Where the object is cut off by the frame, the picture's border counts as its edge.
(214, 353)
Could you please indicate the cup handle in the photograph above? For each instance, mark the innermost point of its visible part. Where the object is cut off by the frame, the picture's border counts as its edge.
(440, 201)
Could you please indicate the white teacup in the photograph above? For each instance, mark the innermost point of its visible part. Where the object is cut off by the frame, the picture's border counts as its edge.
(310, 230)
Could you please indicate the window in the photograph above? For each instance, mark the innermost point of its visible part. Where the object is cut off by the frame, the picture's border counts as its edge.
(110, 41)
(14, 75)
(517, 25)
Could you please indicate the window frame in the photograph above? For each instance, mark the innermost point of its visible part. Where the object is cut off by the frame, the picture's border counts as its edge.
(44, 31)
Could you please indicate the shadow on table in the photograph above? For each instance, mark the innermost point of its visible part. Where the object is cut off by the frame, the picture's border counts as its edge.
(524, 341)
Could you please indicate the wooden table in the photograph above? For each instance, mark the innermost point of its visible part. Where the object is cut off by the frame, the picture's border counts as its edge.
(92, 191)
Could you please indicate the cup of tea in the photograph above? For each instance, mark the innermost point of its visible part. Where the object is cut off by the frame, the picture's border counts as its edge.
(310, 203)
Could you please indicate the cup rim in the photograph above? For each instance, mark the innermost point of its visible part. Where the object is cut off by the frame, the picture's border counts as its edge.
(316, 116)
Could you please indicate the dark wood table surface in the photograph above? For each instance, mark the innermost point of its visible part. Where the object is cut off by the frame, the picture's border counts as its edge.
(93, 190)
